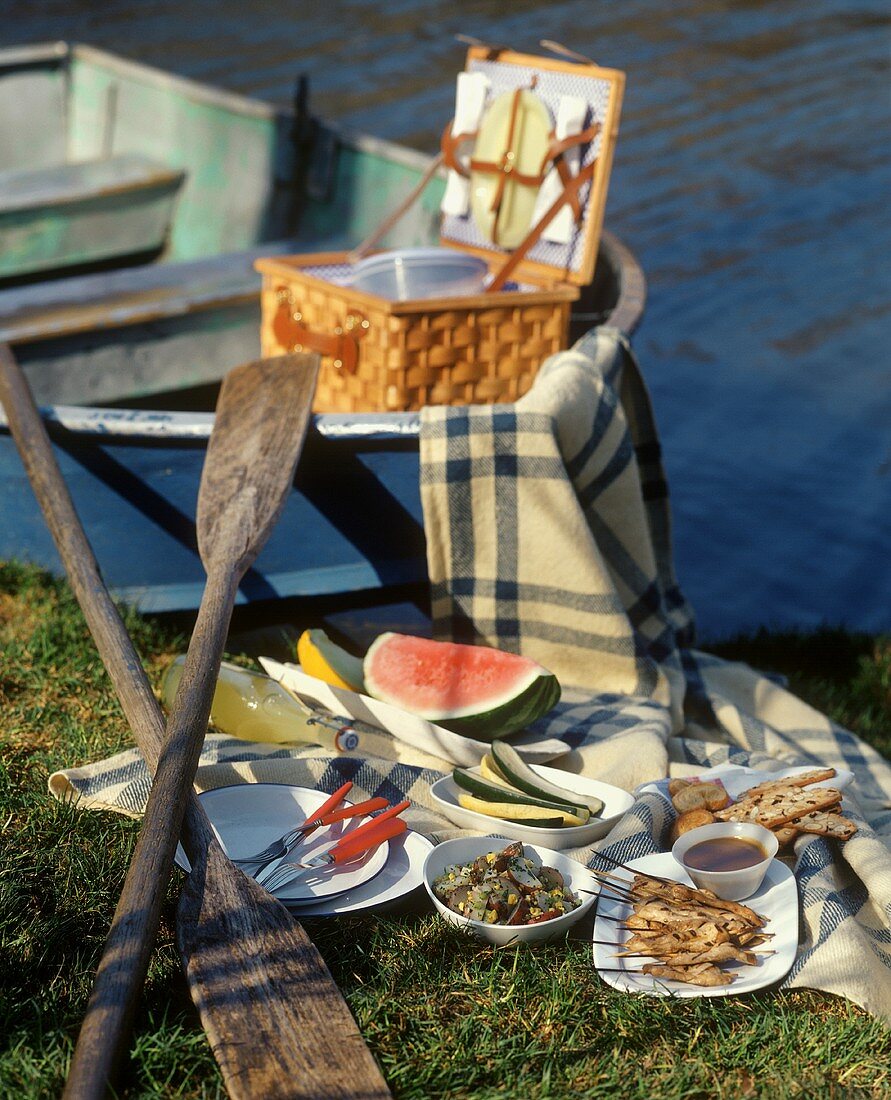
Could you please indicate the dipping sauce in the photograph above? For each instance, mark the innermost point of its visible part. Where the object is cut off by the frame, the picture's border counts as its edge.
(724, 853)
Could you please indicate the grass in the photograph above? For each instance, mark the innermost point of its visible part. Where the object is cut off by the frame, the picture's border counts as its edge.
(444, 1015)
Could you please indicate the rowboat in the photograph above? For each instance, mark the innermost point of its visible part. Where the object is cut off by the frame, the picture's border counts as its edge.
(122, 346)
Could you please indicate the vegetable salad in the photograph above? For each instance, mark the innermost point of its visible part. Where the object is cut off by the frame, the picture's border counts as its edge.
(505, 888)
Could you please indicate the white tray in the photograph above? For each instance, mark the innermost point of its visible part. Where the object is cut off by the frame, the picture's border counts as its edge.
(406, 727)
(736, 779)
(777, 900)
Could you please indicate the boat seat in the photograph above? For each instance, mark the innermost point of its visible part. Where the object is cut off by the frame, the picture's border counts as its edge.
(132, 296)
(84, 212)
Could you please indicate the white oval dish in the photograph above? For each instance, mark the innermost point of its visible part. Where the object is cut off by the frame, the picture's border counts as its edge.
(465, 849)
(729, 885)
(406, 727)
(616, 802)
(737, 779)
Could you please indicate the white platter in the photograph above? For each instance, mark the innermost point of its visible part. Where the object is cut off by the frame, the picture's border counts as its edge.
(402, 874)
(616, 802)
(776, 900)
(736, 779)
(415, 731)
(246, 817)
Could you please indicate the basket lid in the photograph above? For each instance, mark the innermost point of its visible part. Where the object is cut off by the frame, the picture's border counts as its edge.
(496, 193)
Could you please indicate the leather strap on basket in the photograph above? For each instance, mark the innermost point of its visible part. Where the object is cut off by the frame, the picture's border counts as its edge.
(450, 142)
(570, 194)
(342, 345)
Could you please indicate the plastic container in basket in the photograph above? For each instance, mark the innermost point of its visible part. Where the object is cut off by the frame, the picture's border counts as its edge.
(411, 273)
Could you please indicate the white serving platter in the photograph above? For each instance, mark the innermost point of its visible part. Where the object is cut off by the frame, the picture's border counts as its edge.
(737, 779)
(776, 900)
(414, 731)
(616, 802)
(246, 817)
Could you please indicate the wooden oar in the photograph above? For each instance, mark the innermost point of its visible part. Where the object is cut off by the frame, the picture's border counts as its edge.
(276, 1021)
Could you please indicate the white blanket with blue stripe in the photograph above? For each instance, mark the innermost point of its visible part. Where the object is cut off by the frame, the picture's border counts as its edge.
(548, 534)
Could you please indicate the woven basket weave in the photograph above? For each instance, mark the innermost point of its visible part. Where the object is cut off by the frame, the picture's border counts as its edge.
(480, 349)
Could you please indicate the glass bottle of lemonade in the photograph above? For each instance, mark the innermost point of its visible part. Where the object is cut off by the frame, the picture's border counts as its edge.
(253, 707)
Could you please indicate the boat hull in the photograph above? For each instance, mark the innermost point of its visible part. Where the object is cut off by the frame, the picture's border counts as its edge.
(353, 522)
(154, 333)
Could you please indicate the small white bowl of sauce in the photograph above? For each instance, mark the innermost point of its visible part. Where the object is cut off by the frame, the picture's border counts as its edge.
(730, 858)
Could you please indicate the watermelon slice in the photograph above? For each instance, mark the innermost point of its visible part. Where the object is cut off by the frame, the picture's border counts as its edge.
(473, 690)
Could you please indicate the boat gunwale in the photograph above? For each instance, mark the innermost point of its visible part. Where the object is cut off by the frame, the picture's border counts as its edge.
(22, 57)
(164, 426)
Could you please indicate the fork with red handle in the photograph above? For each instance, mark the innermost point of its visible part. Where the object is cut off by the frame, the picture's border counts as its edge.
(385, 826)
(327, 814)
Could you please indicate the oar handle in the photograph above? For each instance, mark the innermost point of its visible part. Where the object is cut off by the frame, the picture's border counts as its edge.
(124, 962)
(114, 643)
(107, 1019)
(127, 950)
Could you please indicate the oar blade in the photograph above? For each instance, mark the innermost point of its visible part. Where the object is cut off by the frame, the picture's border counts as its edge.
(283, 1029)
(261, 419)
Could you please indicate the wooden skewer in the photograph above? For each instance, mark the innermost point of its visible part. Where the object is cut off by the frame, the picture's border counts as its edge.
(625, 867)
(699, 899)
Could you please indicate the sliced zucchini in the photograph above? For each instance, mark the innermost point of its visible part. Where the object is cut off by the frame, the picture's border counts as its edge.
(517, 772)
(523, 814)
(501, 792)
(489, 770)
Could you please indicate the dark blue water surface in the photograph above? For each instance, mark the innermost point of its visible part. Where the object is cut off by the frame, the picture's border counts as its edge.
(752, 179)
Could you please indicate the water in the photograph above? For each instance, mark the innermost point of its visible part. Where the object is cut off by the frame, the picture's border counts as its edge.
(752, 179)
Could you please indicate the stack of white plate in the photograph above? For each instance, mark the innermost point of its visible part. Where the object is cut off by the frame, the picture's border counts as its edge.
(249, 816)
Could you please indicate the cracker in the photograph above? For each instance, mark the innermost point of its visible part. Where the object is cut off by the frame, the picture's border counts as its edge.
(824, 824)
(776, 809)
(804, 779)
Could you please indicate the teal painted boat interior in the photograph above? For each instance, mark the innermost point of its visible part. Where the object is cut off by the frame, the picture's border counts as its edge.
(225, 173)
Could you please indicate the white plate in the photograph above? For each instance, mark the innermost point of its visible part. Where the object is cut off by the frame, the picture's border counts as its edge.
(402, 874)
(246, 817)
(777, 900)
(737, 779)
(406, 727)
(616, 802)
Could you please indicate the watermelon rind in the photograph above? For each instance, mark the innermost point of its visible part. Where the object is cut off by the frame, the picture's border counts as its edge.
(535, 693)
(512, 716)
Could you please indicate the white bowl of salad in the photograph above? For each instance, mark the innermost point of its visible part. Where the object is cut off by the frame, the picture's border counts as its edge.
(508, 892)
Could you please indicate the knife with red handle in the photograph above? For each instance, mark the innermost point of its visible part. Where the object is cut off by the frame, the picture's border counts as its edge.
(373, 833)
(320, 819)
(317, 821)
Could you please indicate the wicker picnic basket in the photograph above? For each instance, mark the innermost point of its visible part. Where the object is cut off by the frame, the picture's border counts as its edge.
(385, 356)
